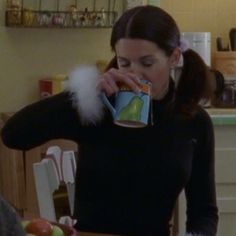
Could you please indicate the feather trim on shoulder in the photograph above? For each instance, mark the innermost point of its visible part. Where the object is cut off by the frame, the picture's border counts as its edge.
(85, 97)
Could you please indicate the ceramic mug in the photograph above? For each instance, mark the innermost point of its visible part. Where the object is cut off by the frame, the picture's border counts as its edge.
(131, 109)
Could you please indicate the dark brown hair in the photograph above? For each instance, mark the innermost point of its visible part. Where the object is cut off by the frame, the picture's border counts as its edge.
(154, 24)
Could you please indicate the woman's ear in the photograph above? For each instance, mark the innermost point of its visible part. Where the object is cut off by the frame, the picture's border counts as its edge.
(175, 57)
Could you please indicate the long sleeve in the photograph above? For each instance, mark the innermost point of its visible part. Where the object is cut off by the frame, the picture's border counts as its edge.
(65, 115)
(202, 211)
(35, 124)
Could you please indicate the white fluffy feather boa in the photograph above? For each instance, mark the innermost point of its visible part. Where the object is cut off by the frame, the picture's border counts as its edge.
(82, 85)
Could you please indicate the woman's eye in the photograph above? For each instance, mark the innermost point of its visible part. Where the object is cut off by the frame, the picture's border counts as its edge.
(147, 64)
(123, 63)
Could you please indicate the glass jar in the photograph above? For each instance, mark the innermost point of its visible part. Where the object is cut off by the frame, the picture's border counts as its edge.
(228, 97)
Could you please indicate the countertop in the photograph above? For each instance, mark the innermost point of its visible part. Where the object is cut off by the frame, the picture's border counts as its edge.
(222, 116)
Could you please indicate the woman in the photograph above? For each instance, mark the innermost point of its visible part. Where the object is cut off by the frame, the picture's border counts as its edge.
(128, 180)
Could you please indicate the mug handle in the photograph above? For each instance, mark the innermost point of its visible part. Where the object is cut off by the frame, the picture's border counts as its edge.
(108, 104)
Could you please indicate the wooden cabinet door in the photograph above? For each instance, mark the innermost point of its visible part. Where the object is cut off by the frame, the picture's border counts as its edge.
(226, 178)
(225, 169)
(12, 177)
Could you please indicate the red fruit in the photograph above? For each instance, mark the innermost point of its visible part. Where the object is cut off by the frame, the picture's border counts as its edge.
(39, 227)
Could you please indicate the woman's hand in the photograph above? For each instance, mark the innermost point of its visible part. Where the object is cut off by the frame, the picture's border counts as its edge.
(110, 80)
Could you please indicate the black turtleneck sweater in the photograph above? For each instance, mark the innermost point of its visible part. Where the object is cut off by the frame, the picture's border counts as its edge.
(128, 180)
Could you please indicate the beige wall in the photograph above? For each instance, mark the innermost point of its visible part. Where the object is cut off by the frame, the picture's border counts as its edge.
(216, 16)
(26, 55)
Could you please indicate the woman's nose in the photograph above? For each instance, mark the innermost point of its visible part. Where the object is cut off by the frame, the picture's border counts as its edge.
(135, 69)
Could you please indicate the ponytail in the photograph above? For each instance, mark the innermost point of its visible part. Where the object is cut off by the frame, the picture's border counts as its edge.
(192, 85)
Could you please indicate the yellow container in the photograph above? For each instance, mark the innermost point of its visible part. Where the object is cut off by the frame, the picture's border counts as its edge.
(59, 83)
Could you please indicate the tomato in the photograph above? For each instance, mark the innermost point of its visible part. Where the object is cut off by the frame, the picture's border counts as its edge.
(39, 227)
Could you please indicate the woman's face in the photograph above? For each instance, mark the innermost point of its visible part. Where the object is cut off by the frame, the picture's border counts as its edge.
(146, 60)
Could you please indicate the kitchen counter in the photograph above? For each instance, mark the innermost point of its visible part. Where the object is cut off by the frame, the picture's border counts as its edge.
(222, 116)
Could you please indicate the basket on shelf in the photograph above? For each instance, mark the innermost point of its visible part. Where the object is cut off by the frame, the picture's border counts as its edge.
(72, 17)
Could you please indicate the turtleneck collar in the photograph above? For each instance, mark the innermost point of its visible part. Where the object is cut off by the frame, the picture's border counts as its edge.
(169, 95)
(159, 106)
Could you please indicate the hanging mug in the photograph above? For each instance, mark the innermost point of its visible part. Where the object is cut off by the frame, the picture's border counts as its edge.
(131, 109)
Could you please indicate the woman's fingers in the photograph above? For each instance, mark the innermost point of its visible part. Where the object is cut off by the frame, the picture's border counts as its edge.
(135, 78)
(109, 81)
(112, 83)
(107, 84)
(131, 80)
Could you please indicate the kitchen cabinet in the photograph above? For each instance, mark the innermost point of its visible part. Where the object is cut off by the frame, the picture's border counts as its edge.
(226, 178)
(224, 121)
(12, 180)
